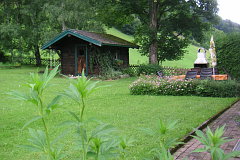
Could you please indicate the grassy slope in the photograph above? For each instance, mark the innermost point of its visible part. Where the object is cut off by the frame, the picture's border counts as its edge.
(136, 58)
(110, 104)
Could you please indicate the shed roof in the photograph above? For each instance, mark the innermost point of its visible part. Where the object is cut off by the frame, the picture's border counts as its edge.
(99, 39)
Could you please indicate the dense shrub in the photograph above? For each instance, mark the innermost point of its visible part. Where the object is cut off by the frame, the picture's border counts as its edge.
(170, 71)
(153, 85)
(111, 74)
(218, 88)
(227, 48)
(130, 71)
(148, 69)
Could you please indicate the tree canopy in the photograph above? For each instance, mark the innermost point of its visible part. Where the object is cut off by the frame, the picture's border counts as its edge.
(26, 24)
(165, 26)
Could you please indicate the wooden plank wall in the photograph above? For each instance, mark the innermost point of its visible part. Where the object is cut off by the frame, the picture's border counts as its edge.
(67, 61)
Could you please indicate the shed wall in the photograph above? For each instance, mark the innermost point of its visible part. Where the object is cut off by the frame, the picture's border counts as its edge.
(67, 48)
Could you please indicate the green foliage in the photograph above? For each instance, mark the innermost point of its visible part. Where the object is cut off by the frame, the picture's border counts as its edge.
(27, 24)
(111, 74)
(218, 88)
(227, 26)
(170, 46)
(160, 134)
(176, 21)
(39, 143)
(212, 142)
(205, 42)
(130, 71)
(148, 69)
(98, 143)
(227, 48)
(105, 61)
(153, 85)
(111, 105)
(40, 140)
(64, 15)
(79, 91)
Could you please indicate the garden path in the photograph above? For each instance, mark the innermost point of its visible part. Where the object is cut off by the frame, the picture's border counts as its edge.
(232, 130)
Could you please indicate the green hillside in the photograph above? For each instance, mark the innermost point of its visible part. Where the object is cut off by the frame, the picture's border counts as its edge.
(136, 58)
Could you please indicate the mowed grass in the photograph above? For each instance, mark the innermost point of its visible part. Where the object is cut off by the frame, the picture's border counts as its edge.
(112, 105)
(135, 57)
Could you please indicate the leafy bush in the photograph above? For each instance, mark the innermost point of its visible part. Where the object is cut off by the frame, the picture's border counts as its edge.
(130, 71)
(153, 85)
(167, 71)
(165, 143)
(227, 48)
(148, 69)
(111, 74)
(218, 88)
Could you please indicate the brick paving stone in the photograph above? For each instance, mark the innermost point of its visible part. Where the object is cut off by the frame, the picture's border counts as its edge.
(232, 131)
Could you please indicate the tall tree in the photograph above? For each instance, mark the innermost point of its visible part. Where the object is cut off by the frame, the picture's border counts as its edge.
(166, 25)
(72, 14)
(26, 24)
(10, 26)
(23, 23)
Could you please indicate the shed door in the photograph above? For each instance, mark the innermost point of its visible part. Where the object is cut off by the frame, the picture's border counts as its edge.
(81, 59)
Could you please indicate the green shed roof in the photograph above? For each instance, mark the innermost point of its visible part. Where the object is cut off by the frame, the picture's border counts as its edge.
(99, 39)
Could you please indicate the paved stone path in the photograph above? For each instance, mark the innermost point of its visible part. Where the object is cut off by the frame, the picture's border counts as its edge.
(232, 130)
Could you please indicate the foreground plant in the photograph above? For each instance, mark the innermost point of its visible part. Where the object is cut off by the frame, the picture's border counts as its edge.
(100, 142)
(212, 142)
(162, 151)
(79, 91)
(40, 140)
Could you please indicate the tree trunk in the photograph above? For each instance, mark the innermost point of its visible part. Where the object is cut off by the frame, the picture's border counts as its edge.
(153, 49)
(63, 21)
(38, 56)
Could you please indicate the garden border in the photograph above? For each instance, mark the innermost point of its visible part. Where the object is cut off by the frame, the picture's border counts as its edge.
(188, 137)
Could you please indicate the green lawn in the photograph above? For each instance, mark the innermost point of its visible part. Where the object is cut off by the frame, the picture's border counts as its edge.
(110, 104)
(136, 58)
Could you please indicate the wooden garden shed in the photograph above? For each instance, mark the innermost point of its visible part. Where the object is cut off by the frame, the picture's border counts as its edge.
(81, 49)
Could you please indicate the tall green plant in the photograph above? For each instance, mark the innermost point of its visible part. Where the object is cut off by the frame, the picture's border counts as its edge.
(162, 151)
(40, 140)
(79, 91)
(98, 143)
(212, 142)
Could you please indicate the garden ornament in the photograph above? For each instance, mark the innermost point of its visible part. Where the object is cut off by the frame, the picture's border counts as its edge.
(213, 54)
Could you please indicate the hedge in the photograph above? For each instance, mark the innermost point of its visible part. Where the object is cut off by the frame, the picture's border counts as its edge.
(153, 85)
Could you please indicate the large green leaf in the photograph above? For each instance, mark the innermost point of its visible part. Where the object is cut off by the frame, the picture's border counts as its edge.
(72, 93)
(74, 115)
(53, 104)
(31, 121)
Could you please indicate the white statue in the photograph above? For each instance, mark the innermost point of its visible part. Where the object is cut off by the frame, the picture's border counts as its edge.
(201, 57)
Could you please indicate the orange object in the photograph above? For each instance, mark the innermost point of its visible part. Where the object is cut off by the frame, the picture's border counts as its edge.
(215, 77)
(220, 77)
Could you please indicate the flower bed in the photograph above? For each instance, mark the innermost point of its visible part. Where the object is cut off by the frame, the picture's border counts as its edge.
(153, 85)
